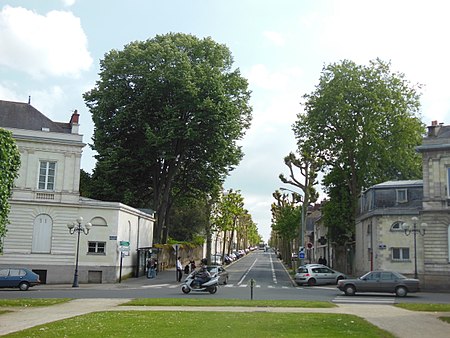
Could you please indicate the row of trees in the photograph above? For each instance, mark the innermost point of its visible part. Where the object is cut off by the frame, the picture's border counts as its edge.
(359, 127)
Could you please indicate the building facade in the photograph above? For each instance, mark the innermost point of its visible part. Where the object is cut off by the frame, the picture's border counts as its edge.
(46, 199)
(405, 225)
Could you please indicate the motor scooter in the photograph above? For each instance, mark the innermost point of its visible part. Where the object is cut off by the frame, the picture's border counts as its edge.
(193, 284)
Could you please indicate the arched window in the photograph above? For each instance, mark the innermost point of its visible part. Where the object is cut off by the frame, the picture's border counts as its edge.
(42, 234)
(397, 226)
(99, 221)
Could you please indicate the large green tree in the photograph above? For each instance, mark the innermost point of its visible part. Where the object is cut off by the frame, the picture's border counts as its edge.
(363, 123)
(9, 170)
(168, 113)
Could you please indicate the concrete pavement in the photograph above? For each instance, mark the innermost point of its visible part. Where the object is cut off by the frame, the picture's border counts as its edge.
(400, 322)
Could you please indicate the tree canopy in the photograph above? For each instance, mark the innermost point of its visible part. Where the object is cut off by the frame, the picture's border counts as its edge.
(9, 170)
(168, 113)
(363, 123)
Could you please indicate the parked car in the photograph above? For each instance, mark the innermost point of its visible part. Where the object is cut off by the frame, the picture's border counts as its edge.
(220, 271)
(317, 274)
(18, 278)
(216, 259)
(380, 281)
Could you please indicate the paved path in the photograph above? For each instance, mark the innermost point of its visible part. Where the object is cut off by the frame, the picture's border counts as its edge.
(401, 323)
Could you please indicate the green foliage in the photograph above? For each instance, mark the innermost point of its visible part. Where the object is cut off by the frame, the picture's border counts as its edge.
(9, 171)
(363, 123)
(227, 209)
(188, 218)
(167, 113)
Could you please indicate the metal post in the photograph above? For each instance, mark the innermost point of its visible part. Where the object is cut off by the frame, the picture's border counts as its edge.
(75, 276)
(415, 252)
(414, 230)
(78, 228)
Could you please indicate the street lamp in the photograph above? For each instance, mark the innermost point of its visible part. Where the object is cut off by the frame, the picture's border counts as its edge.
(415, 230)
(78, 228)
(302, 225)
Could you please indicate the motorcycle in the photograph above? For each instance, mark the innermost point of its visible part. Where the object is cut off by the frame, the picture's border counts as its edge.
(193, 284)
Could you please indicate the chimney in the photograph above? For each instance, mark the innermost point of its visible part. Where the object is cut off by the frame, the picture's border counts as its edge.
(74, 122)
(433, 130)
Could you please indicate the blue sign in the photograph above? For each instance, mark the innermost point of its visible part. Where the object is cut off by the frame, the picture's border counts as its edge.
(301, 255)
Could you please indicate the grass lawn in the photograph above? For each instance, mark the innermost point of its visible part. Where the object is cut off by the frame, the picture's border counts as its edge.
(206, 324)
(428, 308)
(227, 302)
(31, 302)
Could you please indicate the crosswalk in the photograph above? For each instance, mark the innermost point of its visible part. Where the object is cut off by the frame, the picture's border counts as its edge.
(175, 286)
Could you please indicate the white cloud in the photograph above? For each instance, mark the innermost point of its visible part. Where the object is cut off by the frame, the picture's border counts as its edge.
(274, 37)
(54, 44)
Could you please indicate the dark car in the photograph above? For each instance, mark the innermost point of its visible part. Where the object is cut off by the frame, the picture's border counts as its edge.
(220, 271)
(380, 281)
(18, 278)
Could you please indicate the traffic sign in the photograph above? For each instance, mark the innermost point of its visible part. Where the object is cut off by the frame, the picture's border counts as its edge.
(124, 243)
(301, 255)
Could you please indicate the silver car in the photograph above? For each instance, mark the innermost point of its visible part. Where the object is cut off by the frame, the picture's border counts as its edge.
(317, 274)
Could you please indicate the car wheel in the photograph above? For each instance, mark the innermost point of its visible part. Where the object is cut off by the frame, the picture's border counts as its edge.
(311, 282)
(401, 291)
(24, 286)
(185, 289)
(339, 278)
(349, 290)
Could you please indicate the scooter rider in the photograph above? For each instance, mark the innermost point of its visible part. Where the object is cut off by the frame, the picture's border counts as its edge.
(202, 275)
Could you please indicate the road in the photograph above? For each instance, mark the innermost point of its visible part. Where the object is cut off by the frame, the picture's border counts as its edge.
(271, 282)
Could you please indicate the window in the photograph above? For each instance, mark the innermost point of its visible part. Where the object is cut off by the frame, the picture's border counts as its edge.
(400, 254)
(96, 247)
(397, 226)
(99, 222)
(402, 195)
(47, 175)
(448, 182)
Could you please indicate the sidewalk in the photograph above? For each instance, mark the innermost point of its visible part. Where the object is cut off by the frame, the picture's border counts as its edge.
(400, 322)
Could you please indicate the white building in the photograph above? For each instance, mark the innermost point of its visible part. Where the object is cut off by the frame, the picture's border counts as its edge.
(46, 198)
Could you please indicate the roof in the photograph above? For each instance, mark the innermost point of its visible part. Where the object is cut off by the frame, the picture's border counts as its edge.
(394, 184)
(21, 115)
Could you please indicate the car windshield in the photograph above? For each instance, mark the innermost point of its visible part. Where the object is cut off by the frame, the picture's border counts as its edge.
(377, 275)
(302, 269)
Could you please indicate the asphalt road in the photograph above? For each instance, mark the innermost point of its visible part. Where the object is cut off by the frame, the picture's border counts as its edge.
(270, 279)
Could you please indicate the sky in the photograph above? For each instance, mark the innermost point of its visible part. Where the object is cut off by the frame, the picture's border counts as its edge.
(50, 51)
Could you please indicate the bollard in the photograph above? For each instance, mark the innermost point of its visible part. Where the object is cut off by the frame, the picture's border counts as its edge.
(252, 284)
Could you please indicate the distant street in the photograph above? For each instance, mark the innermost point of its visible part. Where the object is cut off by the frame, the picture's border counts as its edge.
(271, 282)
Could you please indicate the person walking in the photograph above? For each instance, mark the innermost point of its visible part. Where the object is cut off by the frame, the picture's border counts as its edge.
(179, 269)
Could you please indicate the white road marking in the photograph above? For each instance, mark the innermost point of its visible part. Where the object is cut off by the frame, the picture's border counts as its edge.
(246, 273)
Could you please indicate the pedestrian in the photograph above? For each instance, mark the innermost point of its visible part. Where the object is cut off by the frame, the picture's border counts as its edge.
(192, 264)
(149, 268)
(320, 260)
(152, 268)
(324, 261)
(179, 269)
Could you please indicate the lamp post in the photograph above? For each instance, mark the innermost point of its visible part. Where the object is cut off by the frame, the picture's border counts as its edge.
(77, 227)
(415, 230)
(301, 228)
